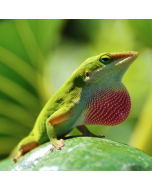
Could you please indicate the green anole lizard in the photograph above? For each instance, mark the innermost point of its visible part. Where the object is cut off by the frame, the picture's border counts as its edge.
(93, 94)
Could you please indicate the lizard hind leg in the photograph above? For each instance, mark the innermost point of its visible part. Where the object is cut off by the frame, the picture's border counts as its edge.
(83, 129)
(25, 145)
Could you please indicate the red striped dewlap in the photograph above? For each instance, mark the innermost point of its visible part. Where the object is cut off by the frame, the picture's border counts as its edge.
(108, 108)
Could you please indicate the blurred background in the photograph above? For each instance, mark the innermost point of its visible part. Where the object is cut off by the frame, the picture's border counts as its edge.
(38, 56)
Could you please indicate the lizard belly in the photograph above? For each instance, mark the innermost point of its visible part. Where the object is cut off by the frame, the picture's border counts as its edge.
(108, 108)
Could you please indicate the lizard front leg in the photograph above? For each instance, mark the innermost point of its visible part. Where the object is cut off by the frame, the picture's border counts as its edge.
(52, 137)
(58, 117)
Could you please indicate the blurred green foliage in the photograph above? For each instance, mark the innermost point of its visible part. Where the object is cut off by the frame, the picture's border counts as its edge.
(37, 56)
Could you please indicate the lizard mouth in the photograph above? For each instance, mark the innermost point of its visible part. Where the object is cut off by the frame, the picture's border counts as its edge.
(125, 58)
(115, 70)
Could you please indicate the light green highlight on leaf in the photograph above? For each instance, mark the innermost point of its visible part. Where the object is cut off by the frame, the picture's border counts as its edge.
(17, 113)
(143, 128)
(32, 48)
(18, 65)
(12, 128)
(19, 94)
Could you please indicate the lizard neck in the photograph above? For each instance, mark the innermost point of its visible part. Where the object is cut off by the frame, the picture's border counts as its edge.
(108, 106)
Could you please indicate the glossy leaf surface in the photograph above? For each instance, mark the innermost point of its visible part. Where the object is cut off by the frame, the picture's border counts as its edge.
(84, 154)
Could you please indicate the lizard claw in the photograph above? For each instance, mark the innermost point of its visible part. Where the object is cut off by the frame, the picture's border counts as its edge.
(57, 144)
(102, 136)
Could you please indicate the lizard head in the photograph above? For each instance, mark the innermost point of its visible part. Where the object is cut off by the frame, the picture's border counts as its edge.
(108, 101)
(108, 66)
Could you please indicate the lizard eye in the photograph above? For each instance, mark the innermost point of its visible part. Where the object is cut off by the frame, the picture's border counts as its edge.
(105, 59)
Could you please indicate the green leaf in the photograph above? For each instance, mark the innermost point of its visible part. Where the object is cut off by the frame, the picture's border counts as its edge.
(143, 30)
(24, 89)
(84, 153)
(5, 163)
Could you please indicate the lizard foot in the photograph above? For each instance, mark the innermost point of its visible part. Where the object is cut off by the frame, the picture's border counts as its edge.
(17, 157)
(92, 135)
(57, 144)
(100, 136)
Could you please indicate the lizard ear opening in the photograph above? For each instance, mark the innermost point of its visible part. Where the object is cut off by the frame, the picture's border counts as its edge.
(87, 74)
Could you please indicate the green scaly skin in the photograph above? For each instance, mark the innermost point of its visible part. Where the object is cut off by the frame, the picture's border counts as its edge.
(93, 94)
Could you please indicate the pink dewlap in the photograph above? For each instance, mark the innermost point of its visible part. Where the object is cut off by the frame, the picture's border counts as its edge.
(109, 108)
